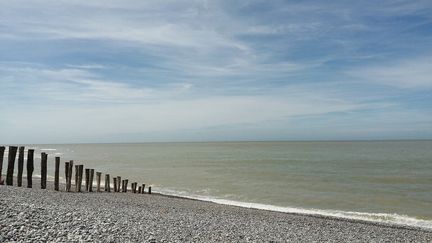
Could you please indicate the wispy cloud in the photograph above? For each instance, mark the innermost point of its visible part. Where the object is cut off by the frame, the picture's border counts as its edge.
(214, 67)
(415, 74)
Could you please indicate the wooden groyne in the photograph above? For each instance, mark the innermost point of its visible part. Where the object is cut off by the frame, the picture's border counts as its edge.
(68, 169)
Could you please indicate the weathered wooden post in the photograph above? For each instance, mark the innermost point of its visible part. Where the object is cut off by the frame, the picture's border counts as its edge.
(77, 189)
(70, 170)
(149, 190)
(115, 184)
(2, 149)
(91, 180)
(11, 165)
(139, 190)
(20, 165)
(126, 184)
(57, 173)
(98, 180)
(44, 162)
(87, 178)
(143, 187)
(30, 167)
(118, 183)
(107, 183)
(66, 175)
(80, 176)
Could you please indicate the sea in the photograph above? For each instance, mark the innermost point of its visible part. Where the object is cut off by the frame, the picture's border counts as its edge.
(380, 181)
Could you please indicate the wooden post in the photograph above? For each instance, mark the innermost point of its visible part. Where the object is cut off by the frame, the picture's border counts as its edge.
(143, 187)
(98, 180)
(57, 173)
(80, 176)
(118, 183)
(149, 190)
(2, 149)
(77, 189)
(30, 167)
(126, 184)
(66, 175)
(87, 178)
(70, 170)
(107, 183)
(115, 184)
(20, 165)
(11, 165)
(44, 161)
(139, 190)
(91, 180)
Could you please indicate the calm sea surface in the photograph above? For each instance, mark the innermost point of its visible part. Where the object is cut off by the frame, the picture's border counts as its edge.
(380, 180)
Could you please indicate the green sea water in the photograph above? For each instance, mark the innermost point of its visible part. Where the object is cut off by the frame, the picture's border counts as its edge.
(388, 181)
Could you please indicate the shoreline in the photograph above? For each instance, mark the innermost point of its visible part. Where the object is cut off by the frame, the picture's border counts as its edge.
(116, 217)
(316, 214)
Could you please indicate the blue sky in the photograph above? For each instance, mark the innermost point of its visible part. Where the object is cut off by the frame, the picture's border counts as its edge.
(134, 71)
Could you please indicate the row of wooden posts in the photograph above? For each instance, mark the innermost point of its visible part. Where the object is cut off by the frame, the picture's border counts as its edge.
(119, 184)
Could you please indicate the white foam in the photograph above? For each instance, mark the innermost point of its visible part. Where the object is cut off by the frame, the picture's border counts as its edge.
(371, 217)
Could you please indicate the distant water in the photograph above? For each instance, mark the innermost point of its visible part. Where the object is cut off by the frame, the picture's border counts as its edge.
(388, 181)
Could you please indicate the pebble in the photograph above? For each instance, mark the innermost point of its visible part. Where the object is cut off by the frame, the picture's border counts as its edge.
(44, 215)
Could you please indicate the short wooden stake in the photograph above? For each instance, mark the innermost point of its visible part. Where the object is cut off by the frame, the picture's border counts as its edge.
(126, 185)
(149, 190)
(11, 165)
(139, 190)
(20, 165)
(118, 183)
(57, 173)
(66, 175)
(2, 149)
(80, 177)
(30, 167)
(115, 184)
(98, 181)
(142, 188)
(70, 170)
(77, 189)
(44, 162)
(107, 183)
(91, 180)
(87, 179)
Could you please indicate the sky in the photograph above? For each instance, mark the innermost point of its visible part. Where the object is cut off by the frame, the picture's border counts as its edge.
(75, 71)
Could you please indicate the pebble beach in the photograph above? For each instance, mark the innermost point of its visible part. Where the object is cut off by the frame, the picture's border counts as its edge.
(32, 215)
